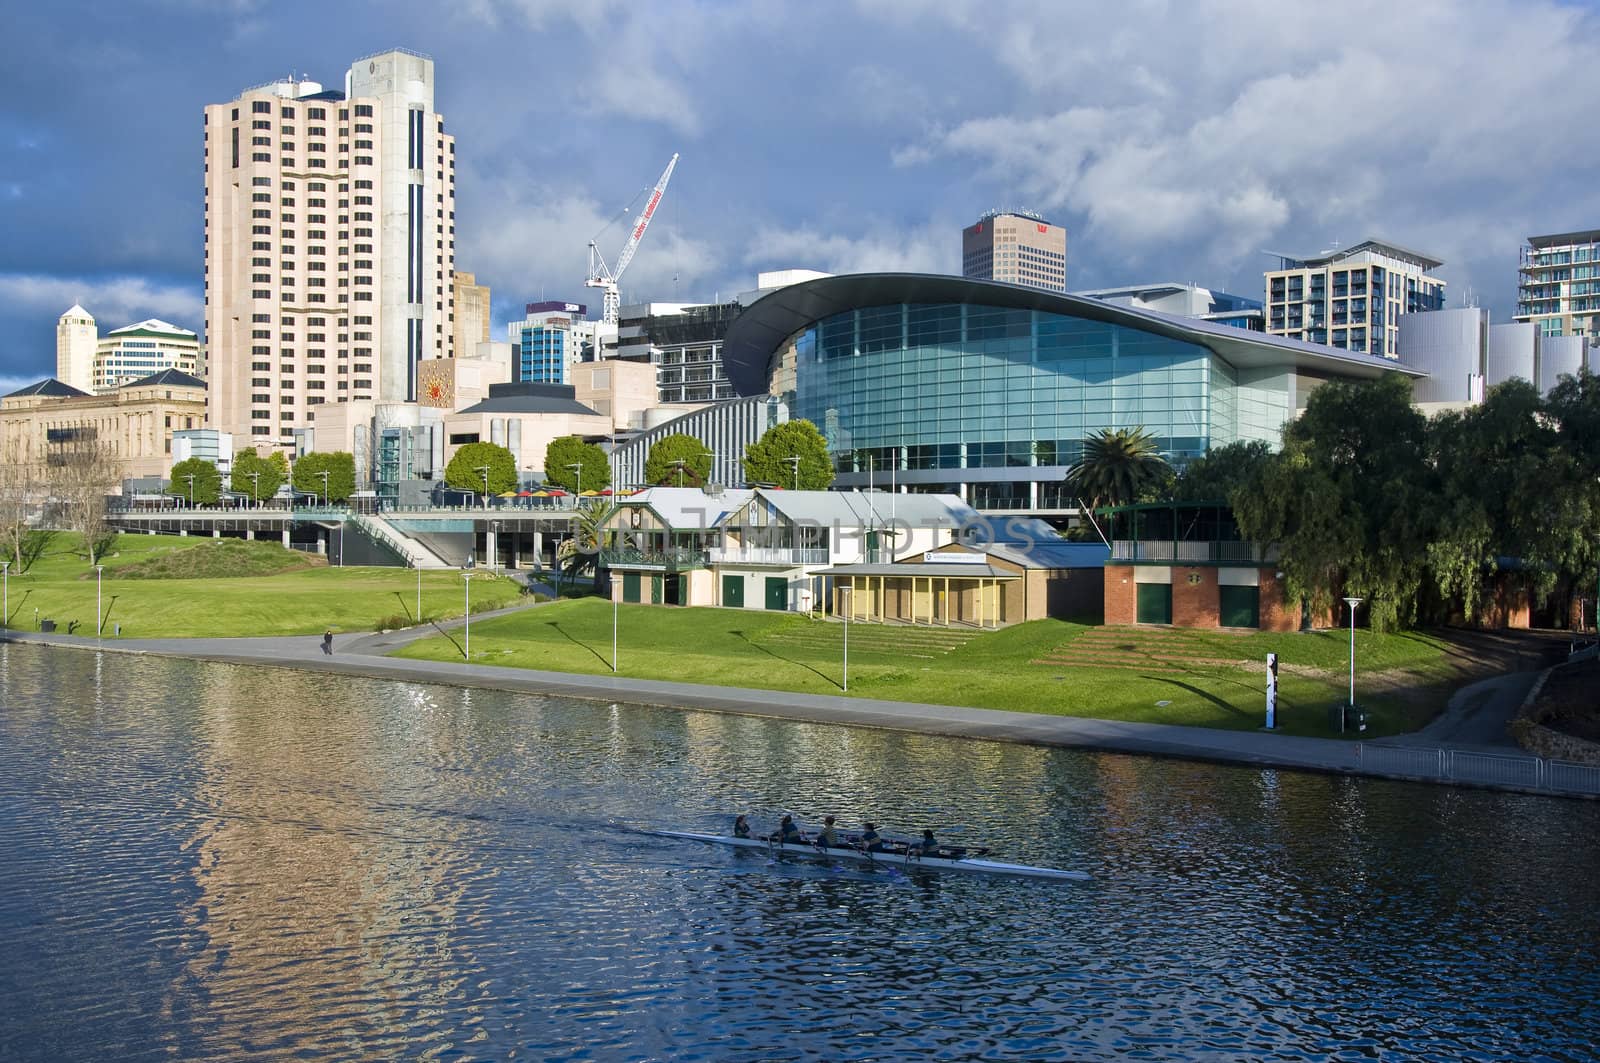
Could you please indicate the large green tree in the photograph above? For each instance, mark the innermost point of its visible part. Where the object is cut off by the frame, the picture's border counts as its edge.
(1222, 472)
(770, 459)
(207, 486)
(1119, 466)
(677, 460)
(567, 451)
(341, 469)
(466, 469)
(1572, 490)
(1349, 499)
(259, 477)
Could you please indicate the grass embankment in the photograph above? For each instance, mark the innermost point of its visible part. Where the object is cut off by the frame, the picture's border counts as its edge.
(161, 586)
(1207, 679)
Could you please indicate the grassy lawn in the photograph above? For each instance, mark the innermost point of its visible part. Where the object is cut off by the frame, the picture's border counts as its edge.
(160, 586)
(1400, 678)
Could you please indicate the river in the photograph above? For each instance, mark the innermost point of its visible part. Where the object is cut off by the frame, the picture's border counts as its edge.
(205, 861)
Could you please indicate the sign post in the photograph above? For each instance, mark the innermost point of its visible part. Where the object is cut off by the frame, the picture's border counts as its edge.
(1272, 691)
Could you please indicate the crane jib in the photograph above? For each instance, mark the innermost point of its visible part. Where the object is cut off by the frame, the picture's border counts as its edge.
(644, 219)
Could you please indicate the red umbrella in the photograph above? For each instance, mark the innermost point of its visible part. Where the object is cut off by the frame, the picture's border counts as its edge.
(555, 491)
(524, 493)
(607, 491)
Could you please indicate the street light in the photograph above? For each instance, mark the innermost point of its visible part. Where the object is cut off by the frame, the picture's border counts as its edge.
(99, 622)
(467, 653)
(493, 554)
(485, 470)
(1352, 603)
(324, 475)
(5, 599)
(419, 594)
(255, 490)
(847, 595)
(190, 477)
(794, 459)
(577, 479)
(613, 633)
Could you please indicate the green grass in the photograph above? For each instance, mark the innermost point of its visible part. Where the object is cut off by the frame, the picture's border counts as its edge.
(211, 599)
(781, 651)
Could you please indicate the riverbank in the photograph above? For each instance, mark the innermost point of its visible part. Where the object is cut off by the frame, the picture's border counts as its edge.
(365, 655)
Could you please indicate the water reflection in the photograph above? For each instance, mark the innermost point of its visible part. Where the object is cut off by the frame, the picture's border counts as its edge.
(216, 862)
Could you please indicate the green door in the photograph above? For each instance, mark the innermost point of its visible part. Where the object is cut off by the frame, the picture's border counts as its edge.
(1239, 606)
(1155, 603)
(630, 586)
(777, 593)
(655, 590)
(733, 591)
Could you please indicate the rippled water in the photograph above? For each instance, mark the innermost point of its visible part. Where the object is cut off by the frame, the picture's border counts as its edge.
(219, 862)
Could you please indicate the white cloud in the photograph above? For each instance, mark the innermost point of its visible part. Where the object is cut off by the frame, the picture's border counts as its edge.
(113, 301)
(926, 249)
(8, 384)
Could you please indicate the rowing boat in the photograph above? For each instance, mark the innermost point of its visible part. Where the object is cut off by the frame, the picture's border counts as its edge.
(909, 858)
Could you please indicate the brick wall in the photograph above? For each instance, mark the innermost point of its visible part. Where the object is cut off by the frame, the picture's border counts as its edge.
(1194, 597)
(1276, 613)
(1121, 595)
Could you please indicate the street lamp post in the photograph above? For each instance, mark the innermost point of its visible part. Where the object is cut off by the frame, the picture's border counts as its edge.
(847, 595)
(419, 595)
(467, 652)
(794, 459)
(613, 633)
(577, 479)
(5, 597)
(99, 622)
(1352, 603)
(324, 488)
(255, 490)
(485, 470)
(190, 477)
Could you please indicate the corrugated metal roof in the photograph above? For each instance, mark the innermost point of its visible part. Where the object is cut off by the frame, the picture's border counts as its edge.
(689, 508)
(870, 508)
(967, 571)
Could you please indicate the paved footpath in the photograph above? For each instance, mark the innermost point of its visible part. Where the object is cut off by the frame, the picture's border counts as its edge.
(363, 654)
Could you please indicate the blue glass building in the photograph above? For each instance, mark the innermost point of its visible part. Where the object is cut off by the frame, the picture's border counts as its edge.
(541, 355)
(988, 390)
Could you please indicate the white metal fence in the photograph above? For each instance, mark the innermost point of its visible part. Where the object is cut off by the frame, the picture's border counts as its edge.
(1501, 770)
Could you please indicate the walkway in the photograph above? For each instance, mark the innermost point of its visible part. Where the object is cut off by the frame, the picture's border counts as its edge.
(363, 654)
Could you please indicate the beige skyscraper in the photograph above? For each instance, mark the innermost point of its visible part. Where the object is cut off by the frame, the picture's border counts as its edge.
(1016, 248)
(330, 245)
(470, 325)
(76, 339)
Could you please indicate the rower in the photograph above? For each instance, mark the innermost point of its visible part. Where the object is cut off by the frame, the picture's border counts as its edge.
(788, 833)
(741, 827)
(929, 846)
(870, 841)
(827, 838)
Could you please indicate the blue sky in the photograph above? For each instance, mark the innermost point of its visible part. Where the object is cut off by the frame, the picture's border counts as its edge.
(1174, 140)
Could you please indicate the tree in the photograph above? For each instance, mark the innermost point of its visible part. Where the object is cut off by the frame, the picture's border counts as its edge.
(678, 459)
(1572, 490)
(80, 473)
(568, 451)
(1118, 466)
(340, 467)
(1349, 499)
(21, 494)
(1222, 472)
(769, 460)
(207, 485)
(465, 471)
(270, 474)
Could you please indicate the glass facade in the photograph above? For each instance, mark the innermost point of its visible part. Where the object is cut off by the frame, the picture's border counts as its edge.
(541, 355)
(962, 386)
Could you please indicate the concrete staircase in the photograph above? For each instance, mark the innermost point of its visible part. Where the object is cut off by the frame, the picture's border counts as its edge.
(414, 553)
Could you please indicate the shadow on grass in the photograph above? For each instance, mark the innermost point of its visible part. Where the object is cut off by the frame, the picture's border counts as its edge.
(401, 599)
(1228, 707)
(584, 645)
(20, 602)
(459, 648)
(742, 637)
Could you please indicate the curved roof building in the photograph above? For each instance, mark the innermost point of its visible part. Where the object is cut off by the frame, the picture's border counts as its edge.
(987, 390)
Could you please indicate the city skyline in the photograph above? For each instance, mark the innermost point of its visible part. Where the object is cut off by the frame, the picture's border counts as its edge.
(1172, 143)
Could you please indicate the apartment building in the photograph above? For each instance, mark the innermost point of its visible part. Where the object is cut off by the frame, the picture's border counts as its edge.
(684, 341)
(1558, 284)
(1017, 248)
(329, 245)
(469, 316)
(1352, 298)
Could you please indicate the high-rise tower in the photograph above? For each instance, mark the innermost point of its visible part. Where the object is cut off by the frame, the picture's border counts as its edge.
(76, 339)
(1017, 248)
(330, 244)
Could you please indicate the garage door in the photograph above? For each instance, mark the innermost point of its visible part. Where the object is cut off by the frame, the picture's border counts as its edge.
(777, 593)
(1239, 606)
(1155, 603)
(630, 586)
(733, 591)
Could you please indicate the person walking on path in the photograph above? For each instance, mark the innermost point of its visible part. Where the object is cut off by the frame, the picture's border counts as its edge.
(327, 642)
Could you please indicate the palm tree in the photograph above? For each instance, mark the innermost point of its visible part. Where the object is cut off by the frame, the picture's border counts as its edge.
(1118, 464)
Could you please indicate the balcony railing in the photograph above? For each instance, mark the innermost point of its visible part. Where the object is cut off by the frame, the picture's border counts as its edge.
(670, 559)
(767, 555)
(1165, 551)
